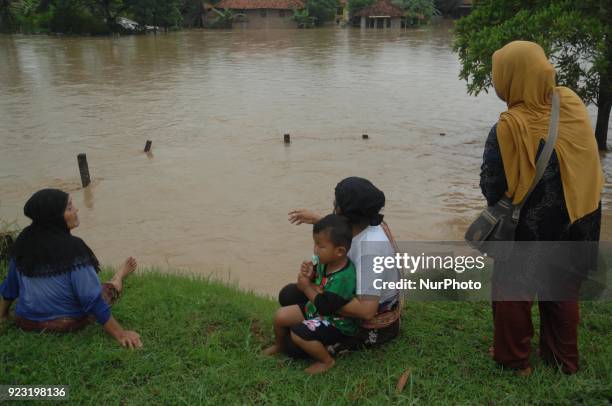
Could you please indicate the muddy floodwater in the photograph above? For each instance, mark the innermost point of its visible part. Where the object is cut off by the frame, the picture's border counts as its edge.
(214, 194)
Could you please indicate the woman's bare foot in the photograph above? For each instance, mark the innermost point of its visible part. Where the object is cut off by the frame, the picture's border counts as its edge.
(491, 352)
(524, 372)
(320, 367)
(126, 270)
(272, 350)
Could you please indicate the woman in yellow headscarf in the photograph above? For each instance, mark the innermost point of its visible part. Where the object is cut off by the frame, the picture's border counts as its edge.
(565, 205)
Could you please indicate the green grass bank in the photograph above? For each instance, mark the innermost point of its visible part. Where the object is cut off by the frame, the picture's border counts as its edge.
(202, 342)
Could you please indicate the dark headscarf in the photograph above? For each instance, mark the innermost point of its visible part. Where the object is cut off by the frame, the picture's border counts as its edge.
(46, 247)
(360, 201)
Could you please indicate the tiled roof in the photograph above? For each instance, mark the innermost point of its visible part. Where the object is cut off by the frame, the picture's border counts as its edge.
(259, 4)
(382, 8)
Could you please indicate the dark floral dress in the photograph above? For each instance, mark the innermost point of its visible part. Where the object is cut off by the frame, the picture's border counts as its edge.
(544, 217)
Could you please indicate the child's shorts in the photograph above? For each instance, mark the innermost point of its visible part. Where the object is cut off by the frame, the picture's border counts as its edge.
(318, 330)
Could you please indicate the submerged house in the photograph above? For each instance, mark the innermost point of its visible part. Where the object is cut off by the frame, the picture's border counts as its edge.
(263, 13)
(382, 14)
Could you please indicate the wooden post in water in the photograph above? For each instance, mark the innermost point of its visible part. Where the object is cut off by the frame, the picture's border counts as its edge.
(148, 146)
(365, 136)
(84, 170)
(287, 139)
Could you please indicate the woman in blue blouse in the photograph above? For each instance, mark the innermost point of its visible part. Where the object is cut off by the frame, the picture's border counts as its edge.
(54, 274)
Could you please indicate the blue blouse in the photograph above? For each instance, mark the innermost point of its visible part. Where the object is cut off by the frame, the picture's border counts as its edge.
(72, 294)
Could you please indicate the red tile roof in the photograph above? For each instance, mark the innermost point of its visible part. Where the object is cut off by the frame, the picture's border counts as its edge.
(259, 4)
(382, 8)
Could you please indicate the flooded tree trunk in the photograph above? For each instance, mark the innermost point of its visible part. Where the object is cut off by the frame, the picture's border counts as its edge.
(604, 103)
(603, 118)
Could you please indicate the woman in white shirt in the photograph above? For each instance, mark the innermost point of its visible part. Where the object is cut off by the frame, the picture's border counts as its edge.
(360, 202)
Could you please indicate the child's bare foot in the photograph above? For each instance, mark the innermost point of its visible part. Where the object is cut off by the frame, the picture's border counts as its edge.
(126, 270)
(320, 367)
(272, 350)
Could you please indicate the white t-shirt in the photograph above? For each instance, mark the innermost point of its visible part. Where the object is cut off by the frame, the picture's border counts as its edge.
(366, 245)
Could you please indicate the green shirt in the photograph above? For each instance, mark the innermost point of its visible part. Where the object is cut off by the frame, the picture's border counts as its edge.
(340, 287)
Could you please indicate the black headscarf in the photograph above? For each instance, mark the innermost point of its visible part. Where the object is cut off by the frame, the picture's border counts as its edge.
(360, 201)
(46, 247)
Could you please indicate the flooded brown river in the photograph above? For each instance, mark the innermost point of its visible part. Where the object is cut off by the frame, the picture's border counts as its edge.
(213, 196)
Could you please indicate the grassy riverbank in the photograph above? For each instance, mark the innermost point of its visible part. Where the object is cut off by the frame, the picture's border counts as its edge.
(202, 341)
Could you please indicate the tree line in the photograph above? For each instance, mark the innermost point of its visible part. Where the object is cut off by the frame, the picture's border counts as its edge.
(99, 17)
(95, 17)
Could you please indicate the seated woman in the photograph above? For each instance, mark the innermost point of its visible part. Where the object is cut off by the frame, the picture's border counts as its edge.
(360, 202)
(53, 274)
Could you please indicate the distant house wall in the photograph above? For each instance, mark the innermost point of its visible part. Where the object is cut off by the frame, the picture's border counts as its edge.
(393, 23)
(266, 18)
(396, 23)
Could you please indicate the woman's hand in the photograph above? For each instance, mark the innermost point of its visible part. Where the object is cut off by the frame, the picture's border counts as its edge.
(129, 339)
(303, 216)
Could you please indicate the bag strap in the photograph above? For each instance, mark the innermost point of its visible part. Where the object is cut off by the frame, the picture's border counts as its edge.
(387, 231)
(549, 146)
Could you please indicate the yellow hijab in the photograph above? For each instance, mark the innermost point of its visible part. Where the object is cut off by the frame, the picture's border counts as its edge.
(524, 79)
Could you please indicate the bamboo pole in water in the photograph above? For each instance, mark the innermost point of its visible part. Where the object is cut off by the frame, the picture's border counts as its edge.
(84, 170)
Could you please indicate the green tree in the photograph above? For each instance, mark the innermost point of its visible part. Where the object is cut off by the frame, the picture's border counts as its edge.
(159, 13)
(447, 7)
(73, 17)
(576, 35)
(322, 10)
(81, 16)
(303, 18)
(226, 18)
(418, 10)
(356, 6)
(109, 10)
(8, 16)
(191, 12)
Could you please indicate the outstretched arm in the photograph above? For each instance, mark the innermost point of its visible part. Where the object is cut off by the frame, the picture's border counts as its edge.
(87, 287)
(303, 216)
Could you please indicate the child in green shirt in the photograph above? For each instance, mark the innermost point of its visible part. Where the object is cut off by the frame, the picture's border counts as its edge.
(330, 285)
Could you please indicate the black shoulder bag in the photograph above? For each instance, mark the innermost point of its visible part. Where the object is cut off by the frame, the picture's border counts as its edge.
(497, 223)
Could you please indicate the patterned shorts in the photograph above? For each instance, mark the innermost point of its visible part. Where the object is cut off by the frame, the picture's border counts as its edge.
(318, 330)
